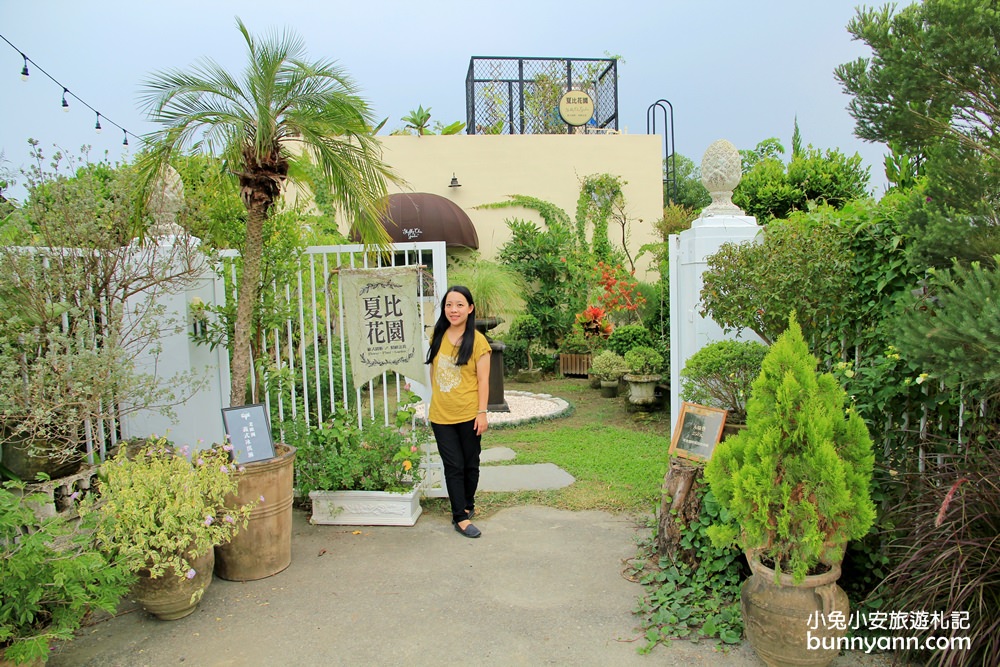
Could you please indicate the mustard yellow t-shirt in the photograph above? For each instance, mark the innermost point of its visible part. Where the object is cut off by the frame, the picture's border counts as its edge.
(455, 390)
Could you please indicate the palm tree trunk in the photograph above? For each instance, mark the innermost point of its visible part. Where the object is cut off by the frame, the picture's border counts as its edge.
(249, 287)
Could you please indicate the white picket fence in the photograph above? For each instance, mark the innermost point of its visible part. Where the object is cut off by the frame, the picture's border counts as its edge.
(310, 346)
(307, 376)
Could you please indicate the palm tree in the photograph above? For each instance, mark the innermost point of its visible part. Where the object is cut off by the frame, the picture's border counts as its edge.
(281, 101)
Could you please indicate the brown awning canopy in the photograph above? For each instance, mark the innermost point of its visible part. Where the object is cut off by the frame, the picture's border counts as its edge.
(421, 216)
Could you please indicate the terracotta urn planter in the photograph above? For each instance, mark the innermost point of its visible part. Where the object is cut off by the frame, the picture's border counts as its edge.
(786, 623)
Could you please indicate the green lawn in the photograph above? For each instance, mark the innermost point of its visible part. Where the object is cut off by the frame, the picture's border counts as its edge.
(618, 457)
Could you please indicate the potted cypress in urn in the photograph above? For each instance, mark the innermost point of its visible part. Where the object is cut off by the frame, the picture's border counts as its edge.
(795, 487)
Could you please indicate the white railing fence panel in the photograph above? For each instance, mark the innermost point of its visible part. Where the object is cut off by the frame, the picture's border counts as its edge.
(306, 374)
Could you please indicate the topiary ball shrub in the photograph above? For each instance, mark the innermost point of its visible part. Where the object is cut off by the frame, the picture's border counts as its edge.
(721, 375)
(629, 336)
(644, 360)
(608, 366)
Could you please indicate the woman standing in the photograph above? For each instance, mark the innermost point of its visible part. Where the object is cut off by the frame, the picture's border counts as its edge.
(460, 374)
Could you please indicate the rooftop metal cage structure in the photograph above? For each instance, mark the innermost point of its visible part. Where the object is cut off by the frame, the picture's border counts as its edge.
(505, 95)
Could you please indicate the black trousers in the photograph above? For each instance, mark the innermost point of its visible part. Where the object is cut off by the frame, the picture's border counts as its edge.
(459, 447)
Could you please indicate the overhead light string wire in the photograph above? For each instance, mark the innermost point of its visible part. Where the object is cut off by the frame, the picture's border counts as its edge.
(25, 73)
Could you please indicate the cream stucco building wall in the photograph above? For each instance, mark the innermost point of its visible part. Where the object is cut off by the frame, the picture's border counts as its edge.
(549, 167)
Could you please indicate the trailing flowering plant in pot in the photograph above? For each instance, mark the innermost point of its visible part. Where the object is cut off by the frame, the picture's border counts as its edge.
(795, 486)
(162, 511)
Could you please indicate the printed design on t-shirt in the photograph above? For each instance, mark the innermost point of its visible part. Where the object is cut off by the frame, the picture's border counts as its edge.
(449, 374)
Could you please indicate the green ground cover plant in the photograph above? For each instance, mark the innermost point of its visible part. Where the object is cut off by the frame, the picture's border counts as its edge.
(695, 595)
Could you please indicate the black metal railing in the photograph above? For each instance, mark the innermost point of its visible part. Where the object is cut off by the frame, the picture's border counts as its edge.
(506, 95)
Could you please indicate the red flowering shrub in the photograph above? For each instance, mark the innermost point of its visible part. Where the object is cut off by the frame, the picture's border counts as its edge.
(619, 294)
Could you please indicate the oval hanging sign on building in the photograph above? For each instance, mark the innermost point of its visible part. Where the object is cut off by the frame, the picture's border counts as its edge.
(576, 107)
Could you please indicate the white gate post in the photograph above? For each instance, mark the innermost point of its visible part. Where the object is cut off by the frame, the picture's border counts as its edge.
(721, 222)
(197, 417)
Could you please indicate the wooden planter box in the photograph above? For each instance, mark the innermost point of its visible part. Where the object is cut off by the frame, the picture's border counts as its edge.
(365, 508)
(574, 364)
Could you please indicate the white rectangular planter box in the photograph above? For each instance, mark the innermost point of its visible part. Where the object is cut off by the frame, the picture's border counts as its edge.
(365, 508)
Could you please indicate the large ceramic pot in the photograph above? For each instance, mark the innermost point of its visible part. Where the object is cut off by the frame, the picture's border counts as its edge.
(788, 624)
(27, 458)
(264, 547)
(170, 597)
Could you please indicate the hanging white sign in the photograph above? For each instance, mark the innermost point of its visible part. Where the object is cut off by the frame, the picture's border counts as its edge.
(382, 321)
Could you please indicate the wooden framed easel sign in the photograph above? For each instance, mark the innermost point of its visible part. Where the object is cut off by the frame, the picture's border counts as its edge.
(697, 432)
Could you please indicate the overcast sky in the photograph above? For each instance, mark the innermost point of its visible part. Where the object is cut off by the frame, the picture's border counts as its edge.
(735, 69)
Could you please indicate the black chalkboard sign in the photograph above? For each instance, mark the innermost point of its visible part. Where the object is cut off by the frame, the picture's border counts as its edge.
(249, 433)
(697, 432)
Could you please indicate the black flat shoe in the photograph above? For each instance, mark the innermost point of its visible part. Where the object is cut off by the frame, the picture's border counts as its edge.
(468, 515)
(469, 531)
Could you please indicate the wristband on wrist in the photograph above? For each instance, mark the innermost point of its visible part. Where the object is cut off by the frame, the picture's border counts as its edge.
(481, 412)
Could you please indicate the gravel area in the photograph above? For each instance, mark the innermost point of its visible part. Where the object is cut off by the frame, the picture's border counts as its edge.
(524, 407)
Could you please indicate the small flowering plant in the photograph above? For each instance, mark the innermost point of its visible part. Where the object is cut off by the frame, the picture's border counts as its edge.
(594, 322)
(160, 507)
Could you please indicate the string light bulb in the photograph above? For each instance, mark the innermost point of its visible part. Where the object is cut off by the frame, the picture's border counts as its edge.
(25, 73)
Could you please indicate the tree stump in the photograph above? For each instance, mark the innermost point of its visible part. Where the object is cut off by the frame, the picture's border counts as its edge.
(679, 504)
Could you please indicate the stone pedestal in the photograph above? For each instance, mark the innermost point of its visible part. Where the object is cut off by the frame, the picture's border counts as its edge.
(497, 402)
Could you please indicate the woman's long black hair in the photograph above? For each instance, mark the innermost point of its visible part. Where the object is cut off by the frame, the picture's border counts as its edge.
(442, 325)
